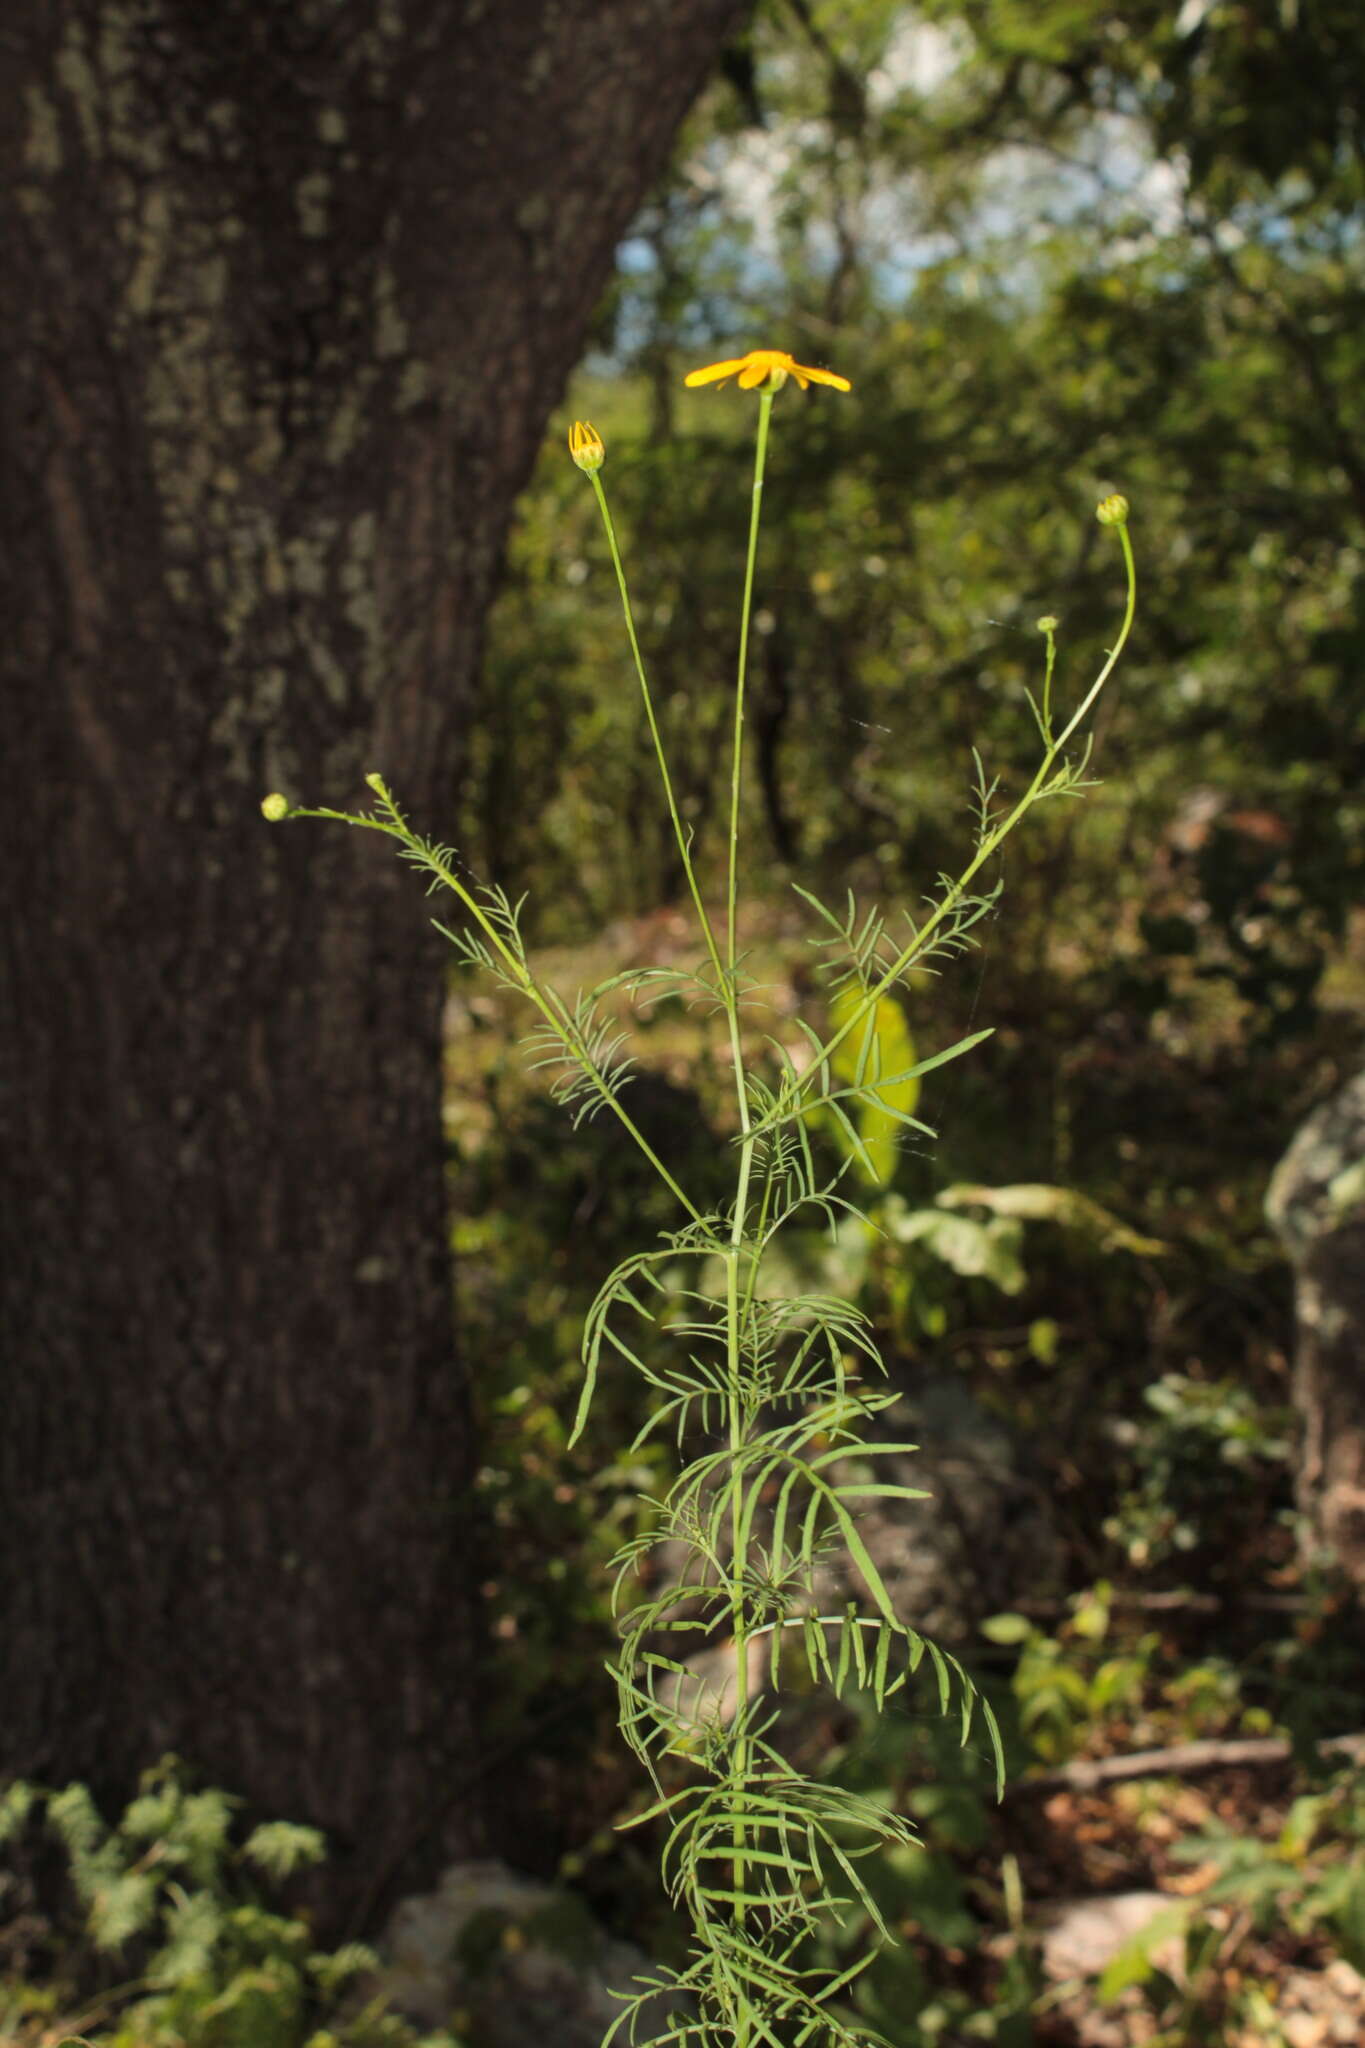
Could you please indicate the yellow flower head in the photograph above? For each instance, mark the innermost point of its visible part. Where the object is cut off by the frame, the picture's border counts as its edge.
(586, 446)
(765, 366)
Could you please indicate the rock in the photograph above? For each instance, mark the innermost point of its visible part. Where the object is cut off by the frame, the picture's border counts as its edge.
(1345, 1981)
(1323, 2005)
(1316, 1204)
(982, 1537)
(713, 1690)
(510, 1961)
(1085, 1935)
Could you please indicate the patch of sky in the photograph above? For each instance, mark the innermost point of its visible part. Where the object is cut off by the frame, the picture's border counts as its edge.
(764, 193)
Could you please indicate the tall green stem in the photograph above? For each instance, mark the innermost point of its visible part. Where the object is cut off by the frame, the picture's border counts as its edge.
(765, 410)
(734, 1312)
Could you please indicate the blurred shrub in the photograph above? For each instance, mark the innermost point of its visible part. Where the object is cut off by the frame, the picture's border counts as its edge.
(173, 1907)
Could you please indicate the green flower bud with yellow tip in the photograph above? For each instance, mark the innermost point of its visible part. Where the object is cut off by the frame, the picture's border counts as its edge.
(275, 807)
(586, 446)
(1113, 510)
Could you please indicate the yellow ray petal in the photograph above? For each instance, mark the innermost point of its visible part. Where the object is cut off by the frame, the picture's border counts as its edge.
(822, 377)
(715, 370)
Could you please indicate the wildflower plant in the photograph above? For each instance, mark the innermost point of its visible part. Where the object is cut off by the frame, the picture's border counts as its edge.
(768, 1399)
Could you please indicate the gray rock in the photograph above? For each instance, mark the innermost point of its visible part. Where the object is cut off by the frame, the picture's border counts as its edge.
(1083, 1936)
(1316, 1204)
(508, 1961)
(984, 1535)
(712, 1692)
(981, 1538)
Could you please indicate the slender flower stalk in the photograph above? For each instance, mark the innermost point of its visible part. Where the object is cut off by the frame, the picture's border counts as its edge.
(766, 371)
(734, 1398)
(593, 469)
(765, 410)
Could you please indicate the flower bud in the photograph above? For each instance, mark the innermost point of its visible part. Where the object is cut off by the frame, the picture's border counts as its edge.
(1048, 623)
(275, 807)
(586, 446)
(1113, 510)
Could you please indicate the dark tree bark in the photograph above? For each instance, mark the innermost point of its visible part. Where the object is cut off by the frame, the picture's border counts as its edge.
(1316, 1203)
(288, 293)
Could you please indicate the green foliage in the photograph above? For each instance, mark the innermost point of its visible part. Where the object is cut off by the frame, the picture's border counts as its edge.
(1197, 1441)
(928, 1985)
(1310, 1875)
(1051, 244)
(166, 1893)
(1064, 1700)
(1105, 1671)
(1306, 1881)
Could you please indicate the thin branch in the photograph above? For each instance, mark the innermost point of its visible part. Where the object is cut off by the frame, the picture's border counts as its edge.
(1181, 1760)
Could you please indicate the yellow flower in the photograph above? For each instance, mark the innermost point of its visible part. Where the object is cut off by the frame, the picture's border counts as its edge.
(761, 365)
(586, 446)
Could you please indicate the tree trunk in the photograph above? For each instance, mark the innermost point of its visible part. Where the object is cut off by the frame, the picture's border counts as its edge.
(288, 294)
(1317, 1205)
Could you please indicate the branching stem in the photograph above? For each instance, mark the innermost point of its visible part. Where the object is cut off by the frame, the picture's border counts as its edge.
(548, 1001)
(990, 845)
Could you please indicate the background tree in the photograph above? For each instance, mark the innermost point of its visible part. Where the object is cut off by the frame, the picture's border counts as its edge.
(289, 293)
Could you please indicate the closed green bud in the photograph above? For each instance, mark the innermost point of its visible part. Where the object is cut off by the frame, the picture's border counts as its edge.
(586, 446)
(1048, 623)
(1113, 510)
(275, 807)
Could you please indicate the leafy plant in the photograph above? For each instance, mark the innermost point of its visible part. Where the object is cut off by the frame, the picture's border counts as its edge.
(169, 1893)
(1197, 1441)
(1304, 1882)
(1309, 1876)
(1070, 1683)
(767, 1395)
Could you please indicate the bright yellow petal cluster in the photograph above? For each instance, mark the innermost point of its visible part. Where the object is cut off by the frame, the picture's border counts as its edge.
(586, 446)
(761, 365)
